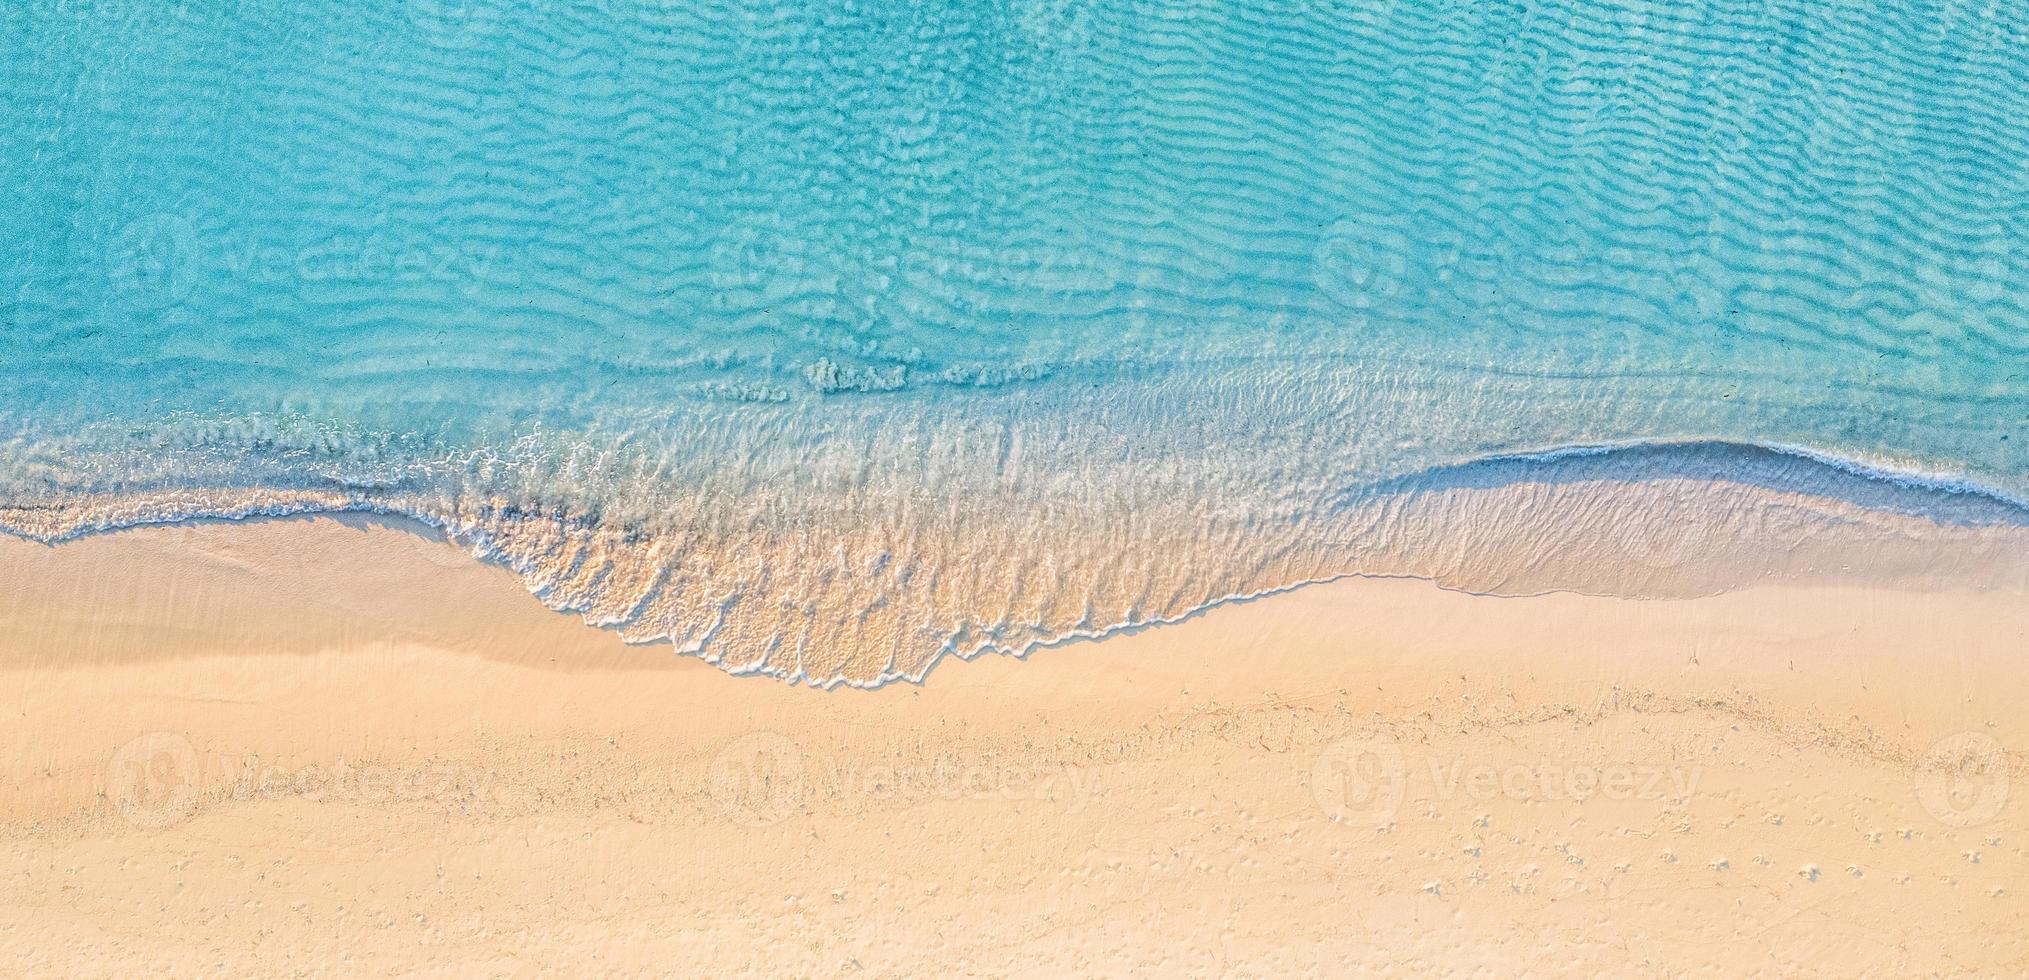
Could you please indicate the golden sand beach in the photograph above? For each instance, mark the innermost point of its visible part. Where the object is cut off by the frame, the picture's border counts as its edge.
(336, 747)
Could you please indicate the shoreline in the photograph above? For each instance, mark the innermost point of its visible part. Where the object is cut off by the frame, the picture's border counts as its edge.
(271, 746)
(1661, 519)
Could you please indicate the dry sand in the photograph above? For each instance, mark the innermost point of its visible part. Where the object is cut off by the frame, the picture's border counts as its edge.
(339, 747)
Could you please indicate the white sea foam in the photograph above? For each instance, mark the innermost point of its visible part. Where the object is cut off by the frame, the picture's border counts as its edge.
(856, 541)
(818, 339)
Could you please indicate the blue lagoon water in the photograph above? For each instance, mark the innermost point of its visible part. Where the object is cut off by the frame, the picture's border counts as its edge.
(823, 338)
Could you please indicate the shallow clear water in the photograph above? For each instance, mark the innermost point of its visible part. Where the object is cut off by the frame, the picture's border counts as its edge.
(822, 337)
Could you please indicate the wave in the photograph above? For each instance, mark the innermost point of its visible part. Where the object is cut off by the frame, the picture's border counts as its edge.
(816, 339)
(1646, 519)
(1935, 497)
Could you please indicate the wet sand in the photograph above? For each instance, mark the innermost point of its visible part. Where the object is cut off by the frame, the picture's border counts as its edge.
(330, 747)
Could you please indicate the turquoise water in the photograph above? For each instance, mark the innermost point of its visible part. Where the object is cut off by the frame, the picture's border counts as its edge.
(820, 338)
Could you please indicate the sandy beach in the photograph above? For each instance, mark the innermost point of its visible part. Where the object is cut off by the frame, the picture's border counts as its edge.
(342, 747)
(1055, 489)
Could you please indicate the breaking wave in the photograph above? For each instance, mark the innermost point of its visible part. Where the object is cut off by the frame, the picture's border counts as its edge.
(823, 340)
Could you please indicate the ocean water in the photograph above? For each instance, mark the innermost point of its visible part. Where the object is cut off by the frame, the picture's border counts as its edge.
(822, 339)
